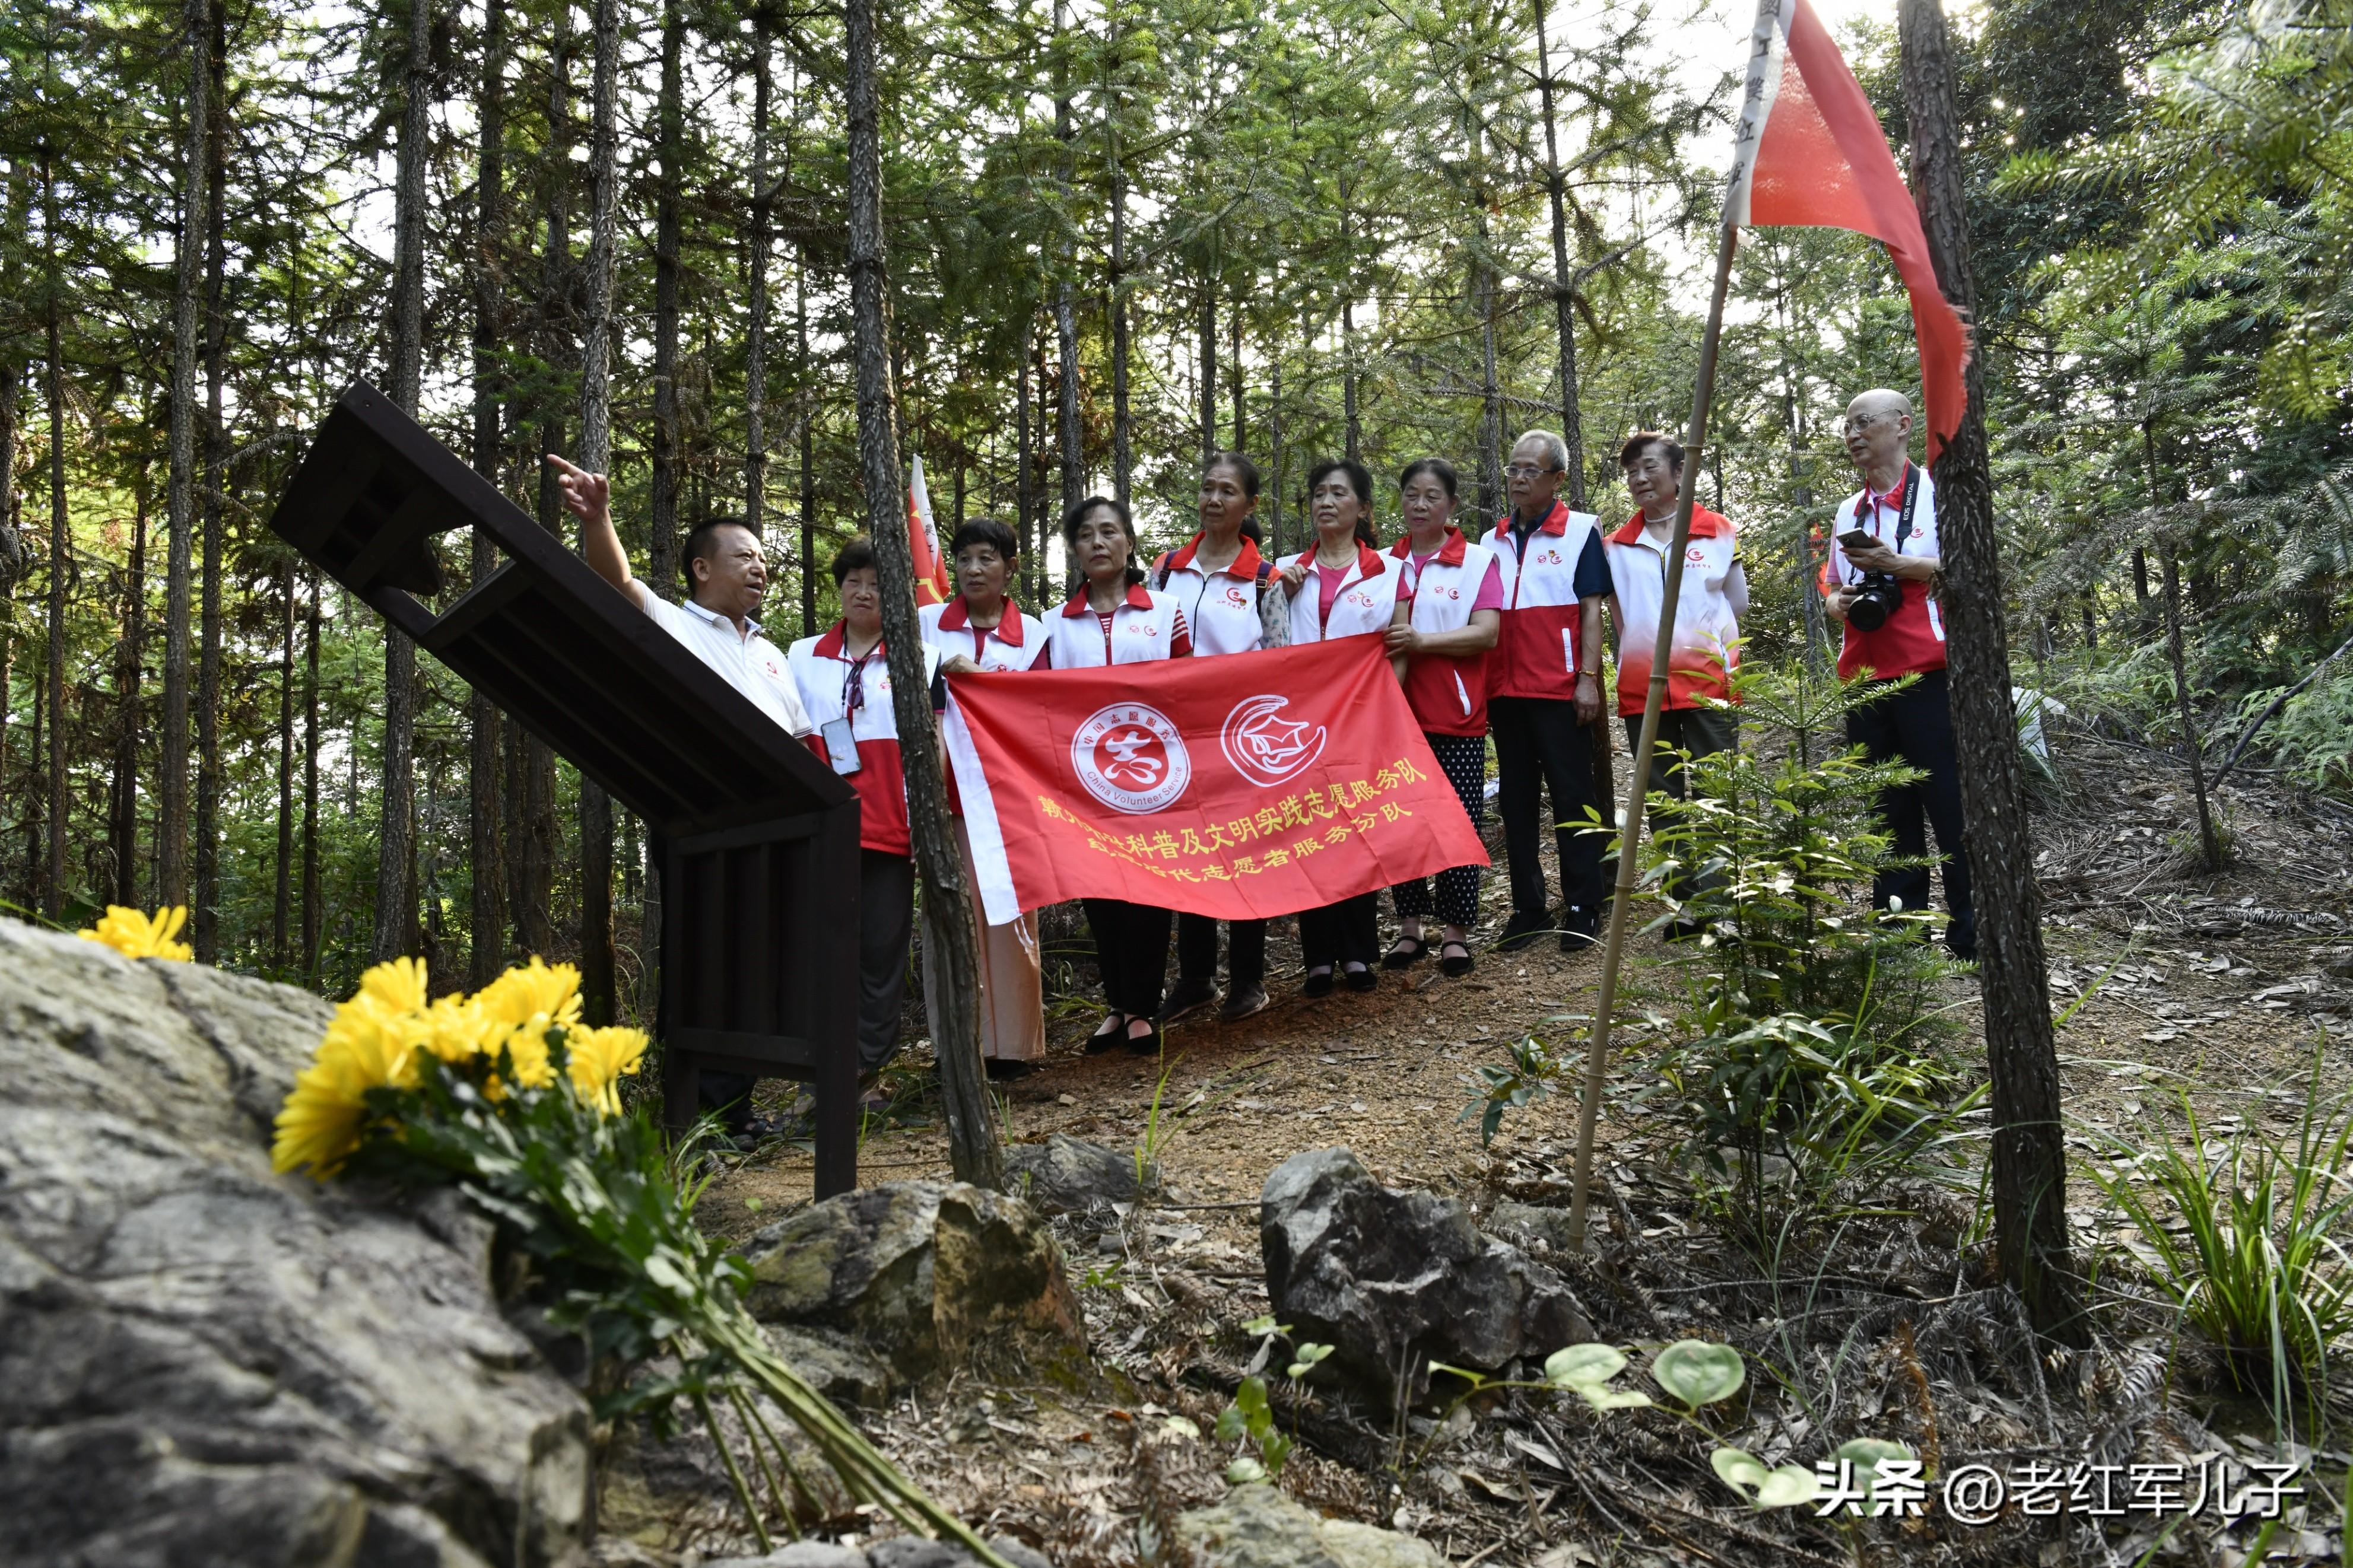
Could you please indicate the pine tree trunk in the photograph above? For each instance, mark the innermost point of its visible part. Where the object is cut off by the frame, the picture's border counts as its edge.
(808, 400)
(204, 922)
(395, 901)
(281, 900)
(122, 833)
(1208, 370)
(180, 505)
(52, 876)
(1355, 430)
(662, 504)
(973, 1144)
(1564, 292)
(310, 908)
(1234, 361)
(1066, 314)
(1122, 424)
(756, 358)
(2029, 1156)
(2209, 848)
(486, 915)
(596, 959)
(1025, 514)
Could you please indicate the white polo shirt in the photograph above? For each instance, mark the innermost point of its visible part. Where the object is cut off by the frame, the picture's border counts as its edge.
(747, 660)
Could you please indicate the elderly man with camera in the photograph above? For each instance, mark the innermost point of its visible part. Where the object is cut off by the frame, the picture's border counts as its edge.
(1881, 581)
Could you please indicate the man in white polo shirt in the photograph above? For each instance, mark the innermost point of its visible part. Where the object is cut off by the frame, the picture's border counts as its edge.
(728, 579)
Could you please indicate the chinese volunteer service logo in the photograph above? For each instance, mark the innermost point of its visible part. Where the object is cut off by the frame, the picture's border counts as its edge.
(1131, 758)
(1265, 747)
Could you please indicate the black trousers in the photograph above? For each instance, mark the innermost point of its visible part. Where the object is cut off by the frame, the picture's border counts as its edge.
(1916, 726)
(1465, 758)
(1697, 733)
(1196, 950)
(1344, 932)
(886, 929)
(1541, 748)
(1131, 952)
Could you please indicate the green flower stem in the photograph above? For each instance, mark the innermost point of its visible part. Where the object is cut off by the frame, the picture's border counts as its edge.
(735, 1472)
(753, 1430)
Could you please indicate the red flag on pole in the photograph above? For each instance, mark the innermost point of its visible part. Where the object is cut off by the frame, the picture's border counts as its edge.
(932, 583)
(1809, 153)
(1255, 784)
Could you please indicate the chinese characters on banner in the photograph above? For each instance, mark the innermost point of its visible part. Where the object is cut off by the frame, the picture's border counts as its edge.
(1249, 786)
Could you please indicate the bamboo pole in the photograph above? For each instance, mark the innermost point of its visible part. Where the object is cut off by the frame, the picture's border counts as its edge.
(1596, 1054)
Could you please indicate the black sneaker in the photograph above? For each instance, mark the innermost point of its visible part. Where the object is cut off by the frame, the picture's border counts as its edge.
(1188, 997)
(1579, 928)
(1522, 930)
(1244, 1001)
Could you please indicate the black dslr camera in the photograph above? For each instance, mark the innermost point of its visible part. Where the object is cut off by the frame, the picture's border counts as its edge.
(1874, 595)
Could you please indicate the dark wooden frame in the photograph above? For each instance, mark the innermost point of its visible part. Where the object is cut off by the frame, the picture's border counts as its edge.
(757, 840)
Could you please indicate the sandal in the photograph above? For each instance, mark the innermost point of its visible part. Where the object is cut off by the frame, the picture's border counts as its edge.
(1398, 958)
(1451, 966)
(1114, 1032)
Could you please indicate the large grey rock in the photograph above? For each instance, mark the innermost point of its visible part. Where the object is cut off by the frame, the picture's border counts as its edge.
(202, 1362)
(1385, 1276)
(928, 1275)
(1259, 1527)
(799, 1554)
(1069, 1175)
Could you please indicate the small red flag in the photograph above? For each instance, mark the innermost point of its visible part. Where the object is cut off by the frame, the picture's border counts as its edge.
(1256, 785)
(932, 583)
(1809, 154)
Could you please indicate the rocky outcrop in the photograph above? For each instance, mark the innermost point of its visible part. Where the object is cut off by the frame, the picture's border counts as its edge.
(924, 1276)
(1069, 1175)
(205, 1363)
(1259, 1527)
(1390, 1277)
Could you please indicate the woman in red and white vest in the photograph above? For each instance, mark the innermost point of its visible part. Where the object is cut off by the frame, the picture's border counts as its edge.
(1115, 619)
(983, 629)
(1343, 588)
(1458, 602)
(844, 681)
(1231, 606)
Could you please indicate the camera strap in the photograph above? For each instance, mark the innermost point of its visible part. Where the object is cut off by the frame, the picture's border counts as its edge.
(1903, 508)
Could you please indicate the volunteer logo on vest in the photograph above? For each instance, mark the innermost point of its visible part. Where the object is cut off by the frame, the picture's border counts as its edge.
(1264, 747)
(1131, 758)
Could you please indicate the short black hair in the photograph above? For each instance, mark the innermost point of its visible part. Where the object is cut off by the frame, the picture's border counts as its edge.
(1076, 513)
(859, 552)
(1244, 469)
(1360, 480)
(702, 542)
(1641, 440)
(1437, 468)
(984, 530)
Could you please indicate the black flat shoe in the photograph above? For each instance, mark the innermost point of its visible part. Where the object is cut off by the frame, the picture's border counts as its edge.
(1452, 967)
(1115, 1029)
(1362, 980)
(1145, 1044)
(1317, 984)
(1243, 1002)
(1522, 930)
(1189, 997)
(1400, 957)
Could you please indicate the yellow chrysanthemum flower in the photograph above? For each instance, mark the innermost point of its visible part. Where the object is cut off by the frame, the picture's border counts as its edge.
(458, 1029)
(600, 1059)
(134, 935)
(536, 997)
(527, 1050)
(398, 986)
(320, 1123)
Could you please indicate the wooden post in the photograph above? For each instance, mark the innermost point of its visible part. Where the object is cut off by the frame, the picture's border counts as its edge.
(1596, 1053)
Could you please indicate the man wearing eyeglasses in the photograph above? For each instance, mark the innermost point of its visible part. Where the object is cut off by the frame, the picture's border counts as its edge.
(1543, 688)
(1880, 580)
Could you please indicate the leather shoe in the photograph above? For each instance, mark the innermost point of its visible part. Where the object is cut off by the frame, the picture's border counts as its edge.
(1244, 1001)
(1188, 997)
(1522, 930)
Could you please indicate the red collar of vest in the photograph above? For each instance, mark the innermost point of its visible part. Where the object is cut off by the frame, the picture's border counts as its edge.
(958, 616)
(1704, 524)
(829, 645)
(1893, 500)
(1137, 599)
(1449, 550)
(1244, 565)
(1556, 521)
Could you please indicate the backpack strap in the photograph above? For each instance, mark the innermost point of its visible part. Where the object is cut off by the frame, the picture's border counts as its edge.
(1160, 571)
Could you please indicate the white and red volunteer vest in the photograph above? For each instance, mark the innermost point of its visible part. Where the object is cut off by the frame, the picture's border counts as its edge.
(1015, 642)
(1221, 606)
(822, 676)
(1536, 655)
(1143, 628)
(1366, 601)
(1706, 645)
(1448, 691)
(1913, 638)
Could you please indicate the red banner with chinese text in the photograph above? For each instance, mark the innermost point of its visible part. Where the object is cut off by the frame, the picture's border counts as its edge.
(1241, 786)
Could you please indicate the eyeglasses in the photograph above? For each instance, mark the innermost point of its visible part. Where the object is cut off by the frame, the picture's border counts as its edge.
(1851, 425)
(1527, 471)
